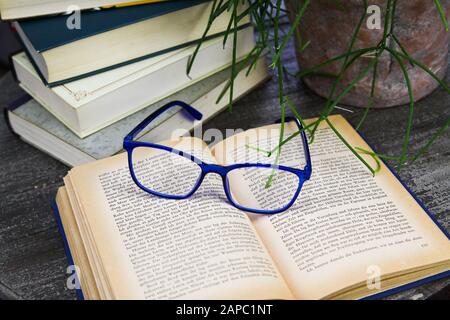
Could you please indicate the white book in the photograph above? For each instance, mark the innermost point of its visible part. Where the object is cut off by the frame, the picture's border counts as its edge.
(113, 37)
(90, 104)
(38, 127)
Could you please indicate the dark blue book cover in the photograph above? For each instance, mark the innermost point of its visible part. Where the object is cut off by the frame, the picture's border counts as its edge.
(51, 32)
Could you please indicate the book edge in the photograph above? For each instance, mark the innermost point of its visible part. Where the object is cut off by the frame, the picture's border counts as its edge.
(124, 63)
(54, 205)
(422, 281)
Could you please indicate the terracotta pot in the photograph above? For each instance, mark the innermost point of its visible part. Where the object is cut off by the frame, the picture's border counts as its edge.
(329, 27)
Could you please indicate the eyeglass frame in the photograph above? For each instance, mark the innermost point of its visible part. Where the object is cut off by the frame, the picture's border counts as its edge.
(129, 144)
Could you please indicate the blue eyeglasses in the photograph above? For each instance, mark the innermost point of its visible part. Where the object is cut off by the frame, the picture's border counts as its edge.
(170, 173)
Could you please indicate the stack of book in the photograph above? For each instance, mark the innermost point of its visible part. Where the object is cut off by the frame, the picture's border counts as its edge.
(91, 76)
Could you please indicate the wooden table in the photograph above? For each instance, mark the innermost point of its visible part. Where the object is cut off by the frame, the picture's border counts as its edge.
(32, 259)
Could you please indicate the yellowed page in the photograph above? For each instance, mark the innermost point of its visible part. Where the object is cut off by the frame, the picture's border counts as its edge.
(154, 248)
(88, 241)
(346, 226)
(85, 276)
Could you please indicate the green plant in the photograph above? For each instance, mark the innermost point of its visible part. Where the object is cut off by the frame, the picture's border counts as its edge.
(271, 39)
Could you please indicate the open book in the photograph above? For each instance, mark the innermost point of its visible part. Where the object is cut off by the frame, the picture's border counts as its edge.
(349, 234)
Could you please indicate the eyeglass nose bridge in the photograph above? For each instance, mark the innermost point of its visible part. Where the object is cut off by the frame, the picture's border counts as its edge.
(214, 168)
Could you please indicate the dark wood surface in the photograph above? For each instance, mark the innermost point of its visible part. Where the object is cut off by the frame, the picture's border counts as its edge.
(32, 259)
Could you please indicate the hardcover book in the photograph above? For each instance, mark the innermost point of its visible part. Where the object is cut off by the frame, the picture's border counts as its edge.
(35, 125)
(113, 37)
(346, 226)
(90, 104)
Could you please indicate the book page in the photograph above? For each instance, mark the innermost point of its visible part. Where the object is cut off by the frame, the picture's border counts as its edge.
(155, 248)
(346, 225)
(80, 258)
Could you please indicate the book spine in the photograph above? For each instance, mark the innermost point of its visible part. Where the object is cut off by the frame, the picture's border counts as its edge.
(30, 57)
(12, 106)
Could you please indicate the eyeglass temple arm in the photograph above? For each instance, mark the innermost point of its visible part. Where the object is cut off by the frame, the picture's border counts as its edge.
(308, 167)
(141, 126)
